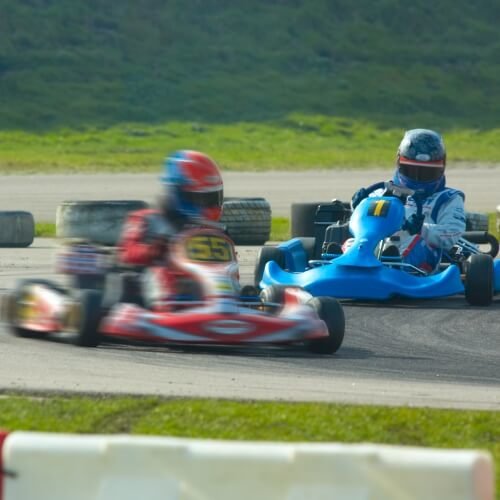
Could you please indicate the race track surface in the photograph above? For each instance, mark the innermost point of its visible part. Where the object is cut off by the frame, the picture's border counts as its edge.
(428, 353)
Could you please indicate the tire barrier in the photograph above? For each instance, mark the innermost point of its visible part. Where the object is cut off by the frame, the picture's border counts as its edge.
(97, 221)
(62, 466)
(17, 229)
(247, 220)
(476, 221)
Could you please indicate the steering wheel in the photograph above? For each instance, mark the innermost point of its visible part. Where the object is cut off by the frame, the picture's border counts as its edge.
(400, 192)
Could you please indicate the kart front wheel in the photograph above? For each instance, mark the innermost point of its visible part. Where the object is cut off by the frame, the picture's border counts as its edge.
(479, 287)
(267, 254)
(21, 303)
(86, 318)
(332, 313)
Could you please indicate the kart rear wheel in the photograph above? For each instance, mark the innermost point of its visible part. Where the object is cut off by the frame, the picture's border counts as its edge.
(332, 313)
(479, 287)
(265, 255)
(86, 318)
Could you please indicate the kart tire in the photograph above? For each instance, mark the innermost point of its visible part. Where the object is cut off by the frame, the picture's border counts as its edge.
(479, 286)
(265, 255)
(247, 220)
(476, 221)
(332, 313)
(11, 302)
(89, 314)
(302, 218)
(18, 229)
(96, 221)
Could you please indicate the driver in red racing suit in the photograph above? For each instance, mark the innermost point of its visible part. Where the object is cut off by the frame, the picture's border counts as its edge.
(192, 195)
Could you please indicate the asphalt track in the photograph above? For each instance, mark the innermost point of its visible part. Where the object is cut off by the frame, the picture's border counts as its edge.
(428, 353)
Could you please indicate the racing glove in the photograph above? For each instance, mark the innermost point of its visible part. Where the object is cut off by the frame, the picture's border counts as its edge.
(414, 224)
(358, 197)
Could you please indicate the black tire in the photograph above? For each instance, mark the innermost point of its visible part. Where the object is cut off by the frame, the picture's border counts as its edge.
(89, 314)
(98, 221)
(302, 218)
(247, 220)
(18, 229)
(332, 313)
(265, 255)
(479, 286)
(12, 301)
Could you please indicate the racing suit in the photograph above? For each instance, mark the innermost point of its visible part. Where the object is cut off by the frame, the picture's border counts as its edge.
(144, 244)
(444, 224)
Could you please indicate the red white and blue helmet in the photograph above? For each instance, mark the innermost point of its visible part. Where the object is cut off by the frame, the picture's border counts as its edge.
(421, 161)
(193, 184)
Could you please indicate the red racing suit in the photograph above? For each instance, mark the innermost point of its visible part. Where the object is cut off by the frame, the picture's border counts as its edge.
(144, 237)
(144, 243)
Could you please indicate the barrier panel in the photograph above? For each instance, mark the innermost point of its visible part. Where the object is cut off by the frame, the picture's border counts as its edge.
(76, 467)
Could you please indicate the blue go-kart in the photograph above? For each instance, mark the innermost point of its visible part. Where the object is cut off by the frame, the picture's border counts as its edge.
(364, 271)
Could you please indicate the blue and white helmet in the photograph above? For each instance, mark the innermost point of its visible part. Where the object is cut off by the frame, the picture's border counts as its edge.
(421, 161)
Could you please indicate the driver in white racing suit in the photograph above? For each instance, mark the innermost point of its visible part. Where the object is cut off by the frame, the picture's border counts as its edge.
(420, 166)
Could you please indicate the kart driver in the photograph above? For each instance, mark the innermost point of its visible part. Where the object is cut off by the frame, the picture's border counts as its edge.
(192, 195)
(420, 166)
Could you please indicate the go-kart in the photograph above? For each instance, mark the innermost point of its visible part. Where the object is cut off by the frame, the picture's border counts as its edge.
(365, 271)
(210, 307)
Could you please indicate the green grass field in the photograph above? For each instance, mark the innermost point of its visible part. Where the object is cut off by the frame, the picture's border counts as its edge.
(98, 63)
(297, 142)
(266, 421)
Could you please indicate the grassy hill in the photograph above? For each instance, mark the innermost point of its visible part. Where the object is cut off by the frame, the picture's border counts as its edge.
(394, 63)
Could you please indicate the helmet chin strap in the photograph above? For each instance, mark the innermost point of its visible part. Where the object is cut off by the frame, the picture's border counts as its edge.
(427, 187)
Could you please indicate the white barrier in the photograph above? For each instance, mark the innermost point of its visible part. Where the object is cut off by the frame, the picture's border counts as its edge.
(73, 467)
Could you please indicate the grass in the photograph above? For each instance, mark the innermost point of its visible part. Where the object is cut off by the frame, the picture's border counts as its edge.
(296, 142)
(100, 63)
(266, 421)
(45, 230)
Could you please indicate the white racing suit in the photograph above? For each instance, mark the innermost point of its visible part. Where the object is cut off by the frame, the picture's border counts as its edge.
(444, 224)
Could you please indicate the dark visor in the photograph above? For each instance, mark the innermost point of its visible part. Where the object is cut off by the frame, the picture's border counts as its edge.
(421, 173)
(212, 199)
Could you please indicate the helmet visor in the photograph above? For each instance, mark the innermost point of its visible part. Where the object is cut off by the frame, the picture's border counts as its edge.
(421, 173)
(204, 200)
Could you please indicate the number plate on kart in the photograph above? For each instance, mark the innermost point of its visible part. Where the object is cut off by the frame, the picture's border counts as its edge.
(209, 248)
(379, 208)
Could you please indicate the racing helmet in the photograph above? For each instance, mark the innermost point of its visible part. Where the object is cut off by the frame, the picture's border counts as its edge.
(421, 161)
(193, 185)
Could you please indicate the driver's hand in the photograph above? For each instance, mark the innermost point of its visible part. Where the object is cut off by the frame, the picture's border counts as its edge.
(358, 197)
(414, 224)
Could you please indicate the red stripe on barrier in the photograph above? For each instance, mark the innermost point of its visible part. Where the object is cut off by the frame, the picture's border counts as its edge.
(3, 435)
